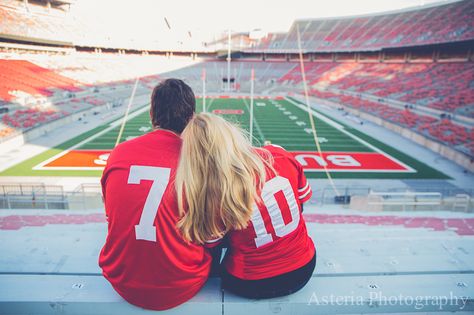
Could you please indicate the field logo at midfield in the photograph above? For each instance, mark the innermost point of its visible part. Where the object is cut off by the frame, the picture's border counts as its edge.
(311, 161)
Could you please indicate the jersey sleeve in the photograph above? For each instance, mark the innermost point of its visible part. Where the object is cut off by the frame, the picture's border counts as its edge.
(304, 189)
(103, 182)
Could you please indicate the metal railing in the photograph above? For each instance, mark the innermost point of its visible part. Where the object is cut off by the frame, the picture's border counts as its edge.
(397, 198)
(89, 196)
(41, 196)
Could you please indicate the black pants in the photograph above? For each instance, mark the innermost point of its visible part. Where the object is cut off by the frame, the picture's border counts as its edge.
(281, 285)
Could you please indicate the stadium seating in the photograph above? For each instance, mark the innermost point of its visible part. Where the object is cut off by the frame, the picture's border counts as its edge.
(22, 75)
(29, 118)
(35, 22)
(444, 86)
(441, 130)
(432, 25)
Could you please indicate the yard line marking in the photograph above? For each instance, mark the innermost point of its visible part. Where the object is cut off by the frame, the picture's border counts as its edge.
(208, 106)
(343, 130)
(317, 115)
(262, 137)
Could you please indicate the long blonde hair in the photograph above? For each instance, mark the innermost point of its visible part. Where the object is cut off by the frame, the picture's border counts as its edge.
(218, 178)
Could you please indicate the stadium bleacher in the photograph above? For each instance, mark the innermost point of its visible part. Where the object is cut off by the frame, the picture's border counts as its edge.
(441, 130)
(35, 21)
(444, 86)
(29, 118)
(30, 78)
(364, 259)
(443, 23)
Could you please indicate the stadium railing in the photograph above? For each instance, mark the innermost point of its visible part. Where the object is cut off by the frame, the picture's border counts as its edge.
(89, 196)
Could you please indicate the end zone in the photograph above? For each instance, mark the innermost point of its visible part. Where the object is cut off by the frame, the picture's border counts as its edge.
(311, 161)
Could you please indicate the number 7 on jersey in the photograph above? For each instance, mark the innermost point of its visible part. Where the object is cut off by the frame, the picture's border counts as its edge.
(145, 230)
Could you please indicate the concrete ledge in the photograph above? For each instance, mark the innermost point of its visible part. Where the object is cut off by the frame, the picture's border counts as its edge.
(366, 295)
(84, 295)
(324, 294)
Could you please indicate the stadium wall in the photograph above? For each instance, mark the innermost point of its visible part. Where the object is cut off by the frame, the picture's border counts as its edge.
(457, 157)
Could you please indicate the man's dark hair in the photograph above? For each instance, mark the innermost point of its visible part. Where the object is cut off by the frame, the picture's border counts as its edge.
(172, 105)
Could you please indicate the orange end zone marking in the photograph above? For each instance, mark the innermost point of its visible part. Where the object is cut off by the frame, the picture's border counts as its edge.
(311, 161)
(80, 159)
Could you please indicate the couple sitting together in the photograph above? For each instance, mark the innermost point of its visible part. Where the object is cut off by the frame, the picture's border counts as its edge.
(177, 196)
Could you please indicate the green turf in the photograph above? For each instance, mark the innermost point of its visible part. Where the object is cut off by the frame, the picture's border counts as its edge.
(277, 124)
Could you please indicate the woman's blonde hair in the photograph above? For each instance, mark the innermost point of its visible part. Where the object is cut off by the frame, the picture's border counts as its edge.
(218, 178)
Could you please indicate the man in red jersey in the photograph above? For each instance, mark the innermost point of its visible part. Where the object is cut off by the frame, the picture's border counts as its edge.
(144, 257)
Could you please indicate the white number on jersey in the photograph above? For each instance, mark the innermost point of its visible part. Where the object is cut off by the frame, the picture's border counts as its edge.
(145, 230)
(281, 229)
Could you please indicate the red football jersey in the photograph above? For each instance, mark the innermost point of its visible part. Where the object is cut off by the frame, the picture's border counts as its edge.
(144, 257)
(276, 240)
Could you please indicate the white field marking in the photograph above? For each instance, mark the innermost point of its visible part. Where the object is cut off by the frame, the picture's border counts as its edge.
(208, 105)
(260, 104)
(144, 129)
(293, 117)
(318, 115)
(358, 171)
(308, 130)
(322, 140)
(341, 128)
(287, 113)
(130, 137)
(73, 168)
(282, 109)
(262, 137)
(300, 123)
(132, 115)
(112, 125)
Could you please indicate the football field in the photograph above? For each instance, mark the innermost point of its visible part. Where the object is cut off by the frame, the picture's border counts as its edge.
(347, 153)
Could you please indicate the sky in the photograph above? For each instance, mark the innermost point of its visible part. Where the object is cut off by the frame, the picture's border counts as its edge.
(205, 19)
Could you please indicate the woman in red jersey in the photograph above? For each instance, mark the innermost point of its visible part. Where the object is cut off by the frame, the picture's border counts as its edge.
(252, 197)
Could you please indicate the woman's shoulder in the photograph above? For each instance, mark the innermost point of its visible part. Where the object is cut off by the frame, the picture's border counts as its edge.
(278, 155)
(275, 150)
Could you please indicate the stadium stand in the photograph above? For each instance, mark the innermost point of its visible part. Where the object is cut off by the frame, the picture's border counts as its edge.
(441, 130)
(35, 22)
(25, 76)
(423, 257)
(438, 24)
(30, 118)
(38, 84)
(443, 86)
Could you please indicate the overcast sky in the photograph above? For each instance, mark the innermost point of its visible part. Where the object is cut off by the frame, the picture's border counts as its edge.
(205, 18)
